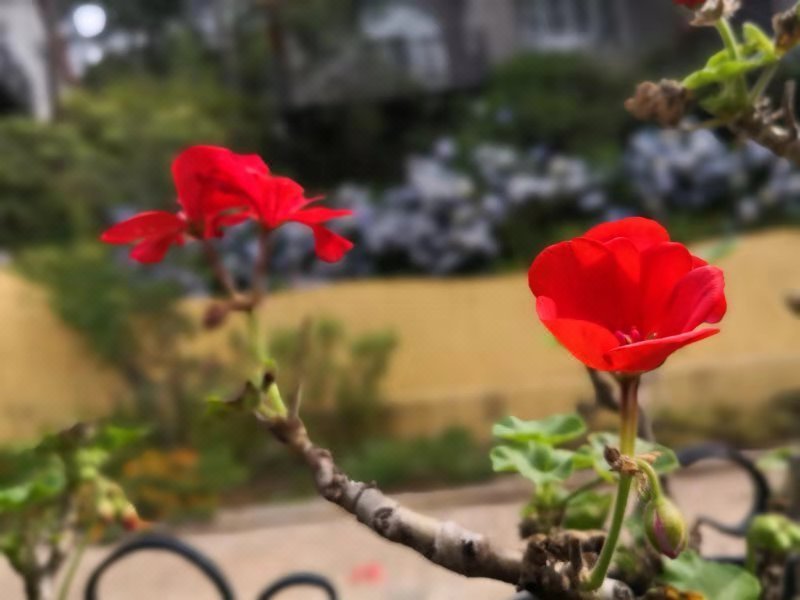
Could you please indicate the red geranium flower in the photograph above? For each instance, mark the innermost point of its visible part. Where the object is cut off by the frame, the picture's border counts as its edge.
(623, 297)
(279, 200)
(209, 182)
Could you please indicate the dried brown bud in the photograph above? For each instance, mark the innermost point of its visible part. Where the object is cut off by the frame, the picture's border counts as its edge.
(215, 315)
(612, 456)
(787, 29)
(793, 301)
(664, 102)
(714, 10)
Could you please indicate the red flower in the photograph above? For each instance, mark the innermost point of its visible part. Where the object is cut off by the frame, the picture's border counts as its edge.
(690, 3)
(622, 297)
(279, 200)
(210, 190)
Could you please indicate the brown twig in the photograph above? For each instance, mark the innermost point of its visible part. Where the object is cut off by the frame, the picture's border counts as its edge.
(443, 543)
(221, 273)
(260, 267)
(236, 301)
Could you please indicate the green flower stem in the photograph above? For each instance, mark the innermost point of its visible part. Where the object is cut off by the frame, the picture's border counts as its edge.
(762, 82)
(652, 478)
(63, 592)
(628, 422)
(732, 46)
(254, 334)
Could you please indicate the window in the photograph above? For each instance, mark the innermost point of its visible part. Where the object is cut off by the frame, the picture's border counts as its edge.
(568, 24)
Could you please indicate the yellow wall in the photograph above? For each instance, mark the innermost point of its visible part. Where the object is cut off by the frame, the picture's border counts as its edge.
(470, 349)
(48, 377)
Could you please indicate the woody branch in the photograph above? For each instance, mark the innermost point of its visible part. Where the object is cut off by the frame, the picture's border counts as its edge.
(548, 568)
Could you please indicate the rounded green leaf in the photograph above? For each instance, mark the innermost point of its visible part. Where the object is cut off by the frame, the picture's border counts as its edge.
(553, 430)
(691, 573)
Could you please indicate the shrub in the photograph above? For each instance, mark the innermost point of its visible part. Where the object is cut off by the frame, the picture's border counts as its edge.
(449, 458)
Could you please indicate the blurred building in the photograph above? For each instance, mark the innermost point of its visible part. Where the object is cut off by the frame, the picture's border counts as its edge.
(23, 59)
(404, 46)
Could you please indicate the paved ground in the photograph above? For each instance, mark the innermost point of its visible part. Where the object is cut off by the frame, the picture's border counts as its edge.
(254, 546)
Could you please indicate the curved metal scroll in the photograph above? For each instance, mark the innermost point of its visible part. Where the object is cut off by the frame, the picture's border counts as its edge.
(761, 492)
(166, 543)
(297, 580)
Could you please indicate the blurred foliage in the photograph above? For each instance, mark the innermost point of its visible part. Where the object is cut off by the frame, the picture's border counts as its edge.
(49, 189)
(135, 127)
(111, 148)
(341, 378)
(763, 426)
(180, 483)
(452, 457)
(109, 304)
(57, 489)
(565, 100)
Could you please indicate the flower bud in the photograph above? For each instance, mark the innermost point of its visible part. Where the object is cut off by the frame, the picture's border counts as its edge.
(105, 510)
(664, 526)
(130, 518)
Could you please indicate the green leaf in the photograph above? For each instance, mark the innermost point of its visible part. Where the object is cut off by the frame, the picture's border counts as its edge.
(588, 510)
(691, 573)
(553, 430)
(113, 437)
(666, 461)
(755, 40)
(775, 459)
(539, 463)
(724, 71)
(37, 485)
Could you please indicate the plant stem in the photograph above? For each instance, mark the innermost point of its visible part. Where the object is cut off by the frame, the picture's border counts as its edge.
(762, 82)
(589, 485)
(732, 46)
(220, 271)
(256, 343)
(73, 568)
(652, 477)
(261, 266)
(629, 387)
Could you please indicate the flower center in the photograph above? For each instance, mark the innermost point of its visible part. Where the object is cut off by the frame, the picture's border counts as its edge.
(632, 336)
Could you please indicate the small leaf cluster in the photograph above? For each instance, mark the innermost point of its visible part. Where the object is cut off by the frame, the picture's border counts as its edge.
(535, 450)
(57, 488)
(720, 85)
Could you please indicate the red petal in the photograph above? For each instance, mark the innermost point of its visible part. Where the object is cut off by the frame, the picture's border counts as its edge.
(279, 199)
(210, 179)
(153, 251)
(329, 246)
(644, 233)
(588, 342)
(650, 354)
(319, 215)
(584, 280)
(150, 224)
(699, 297)
(663, 266)
(698, 262)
